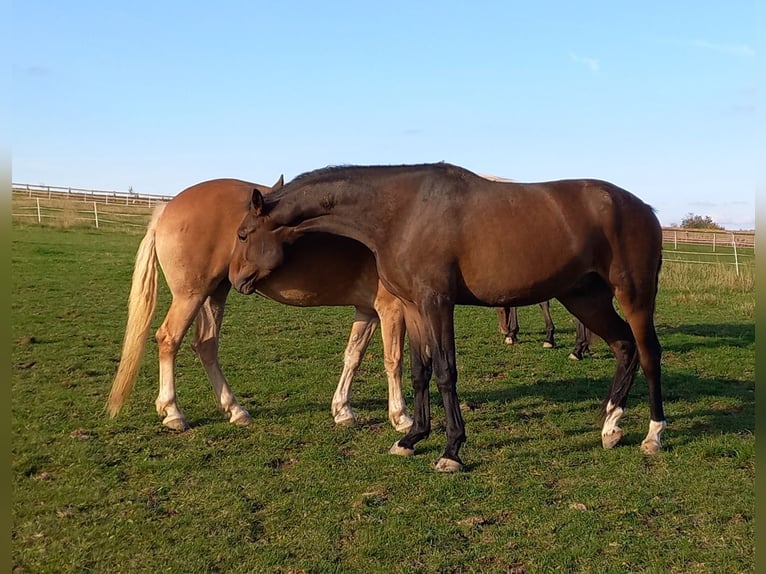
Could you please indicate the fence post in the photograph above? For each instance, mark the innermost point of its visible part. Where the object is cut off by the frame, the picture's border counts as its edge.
(736, 259)
(95, 213)
(675, 240)
(714, 236)
(39, 217)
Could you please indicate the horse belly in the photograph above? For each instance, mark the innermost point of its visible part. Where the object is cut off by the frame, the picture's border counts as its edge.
(323, 270)
(519, 276)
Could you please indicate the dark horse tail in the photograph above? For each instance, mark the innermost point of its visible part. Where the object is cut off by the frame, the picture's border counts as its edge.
(141, 305)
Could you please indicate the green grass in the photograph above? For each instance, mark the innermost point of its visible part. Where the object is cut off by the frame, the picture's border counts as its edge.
(292, 493)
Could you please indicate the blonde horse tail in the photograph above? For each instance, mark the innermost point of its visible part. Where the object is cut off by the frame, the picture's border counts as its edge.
(141, 306)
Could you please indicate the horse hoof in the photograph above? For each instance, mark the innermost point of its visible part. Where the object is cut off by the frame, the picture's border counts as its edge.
(401, 451)
(448, 465)
(547, 345)
(242, 419)
(509, 341)
(404, 424)
(574, 357)
(176, 424)
(610, 440)
(650, 447)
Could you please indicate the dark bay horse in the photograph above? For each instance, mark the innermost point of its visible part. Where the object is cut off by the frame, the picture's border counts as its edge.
(508, 325)
(441, 236)
(192, 238)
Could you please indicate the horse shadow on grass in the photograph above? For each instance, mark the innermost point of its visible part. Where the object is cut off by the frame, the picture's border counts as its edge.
(712, 335)
(694, 406)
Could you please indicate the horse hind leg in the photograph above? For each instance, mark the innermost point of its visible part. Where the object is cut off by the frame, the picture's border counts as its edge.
(640, 317)
(596, 312)
(206, 343)
(169, 336)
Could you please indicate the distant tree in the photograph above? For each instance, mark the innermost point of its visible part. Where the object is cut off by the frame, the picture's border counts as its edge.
(692, 221)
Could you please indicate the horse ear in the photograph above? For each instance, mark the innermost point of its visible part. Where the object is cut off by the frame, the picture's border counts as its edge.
(257, 202)
(280, 183)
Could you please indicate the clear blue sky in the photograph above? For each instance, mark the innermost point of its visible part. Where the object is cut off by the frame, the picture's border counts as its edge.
(658, 97)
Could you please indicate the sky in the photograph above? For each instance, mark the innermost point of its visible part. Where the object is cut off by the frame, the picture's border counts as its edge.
(657, 97)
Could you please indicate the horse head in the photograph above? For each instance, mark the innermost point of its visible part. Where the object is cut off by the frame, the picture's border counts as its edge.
(259, 248)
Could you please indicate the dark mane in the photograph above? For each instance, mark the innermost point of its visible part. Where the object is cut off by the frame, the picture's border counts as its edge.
(338, 173)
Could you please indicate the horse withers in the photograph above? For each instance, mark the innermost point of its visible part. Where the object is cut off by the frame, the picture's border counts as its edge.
(191, 238)
(441, 237)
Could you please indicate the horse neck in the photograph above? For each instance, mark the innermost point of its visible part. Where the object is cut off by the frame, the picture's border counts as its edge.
(332, 209)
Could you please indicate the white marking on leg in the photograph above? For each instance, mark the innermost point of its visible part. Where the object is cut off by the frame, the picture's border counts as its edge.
(652, 443)
(611, 433)
(166, 404)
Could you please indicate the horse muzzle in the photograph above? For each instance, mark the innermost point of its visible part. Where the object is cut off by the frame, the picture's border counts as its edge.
(246, 286)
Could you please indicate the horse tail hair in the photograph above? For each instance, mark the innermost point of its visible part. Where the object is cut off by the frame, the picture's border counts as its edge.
(141, 305)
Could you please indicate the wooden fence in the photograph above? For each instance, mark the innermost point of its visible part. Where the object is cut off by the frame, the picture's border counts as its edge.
(78, 194)
(71, 206)
(708, 246)
(711, 237)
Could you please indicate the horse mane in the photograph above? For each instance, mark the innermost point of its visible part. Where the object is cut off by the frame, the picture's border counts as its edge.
(347, 172)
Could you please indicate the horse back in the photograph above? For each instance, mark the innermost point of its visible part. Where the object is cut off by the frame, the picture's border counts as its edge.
(513, 243)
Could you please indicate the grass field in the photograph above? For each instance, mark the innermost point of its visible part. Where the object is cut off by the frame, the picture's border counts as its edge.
(292, 493)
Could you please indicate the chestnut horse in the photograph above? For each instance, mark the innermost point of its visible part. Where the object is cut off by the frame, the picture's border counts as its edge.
(443, 236)
(191, 238)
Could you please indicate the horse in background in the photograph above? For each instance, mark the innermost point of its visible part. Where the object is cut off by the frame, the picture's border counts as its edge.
(191, 238)
(508, 325)
(440, 237)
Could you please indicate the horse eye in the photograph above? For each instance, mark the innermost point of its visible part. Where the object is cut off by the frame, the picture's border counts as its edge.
(241, 235)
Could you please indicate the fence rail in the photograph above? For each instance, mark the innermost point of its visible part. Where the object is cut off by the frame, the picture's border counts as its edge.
(80, 194)
(710, 237)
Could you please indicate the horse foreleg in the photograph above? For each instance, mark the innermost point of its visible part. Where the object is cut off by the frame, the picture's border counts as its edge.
(169, 337)
(550, 328)
(421, 370)
(206, 343)
(440, 315)
(392, 330)
(361, 333)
